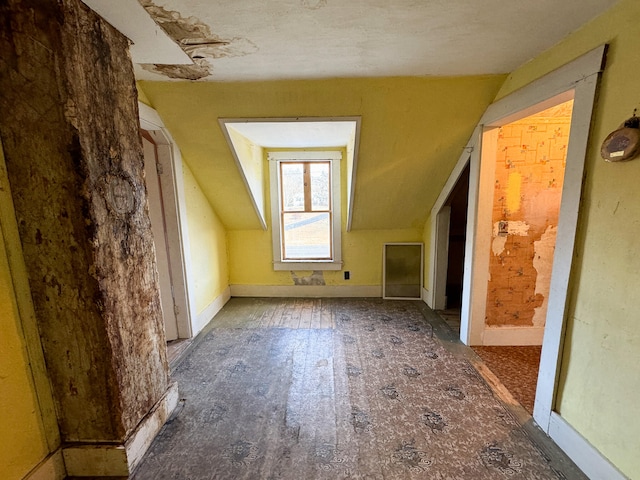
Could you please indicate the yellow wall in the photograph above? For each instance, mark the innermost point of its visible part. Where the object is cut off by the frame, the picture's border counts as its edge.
(28, 430)
(412, 133)
(251, 255)
(250, 157)
(600, 379)
(142, 97)
(21, 429)
(207, 241)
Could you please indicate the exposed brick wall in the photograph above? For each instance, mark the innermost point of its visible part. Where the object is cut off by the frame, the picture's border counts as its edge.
(528, 188)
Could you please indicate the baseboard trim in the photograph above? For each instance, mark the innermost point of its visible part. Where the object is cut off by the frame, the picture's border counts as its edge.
(513, 336)
(51, 468)
(96, 461)
(140, 440)
(119, 460)
(306, 291)
(211, 310)
(584, 455)
(426, 297)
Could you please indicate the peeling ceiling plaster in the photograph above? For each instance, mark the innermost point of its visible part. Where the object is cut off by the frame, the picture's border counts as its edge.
(149, 44)
(232, 40)
(414, 70)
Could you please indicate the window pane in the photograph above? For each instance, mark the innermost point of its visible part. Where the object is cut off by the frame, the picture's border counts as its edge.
(319, 186)
(292, 187)
(307, 236)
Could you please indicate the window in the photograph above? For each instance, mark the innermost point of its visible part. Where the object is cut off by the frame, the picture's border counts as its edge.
(305, 206)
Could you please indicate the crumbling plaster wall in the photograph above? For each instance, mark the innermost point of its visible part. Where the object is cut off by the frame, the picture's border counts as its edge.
(75, 164)
(528, 189)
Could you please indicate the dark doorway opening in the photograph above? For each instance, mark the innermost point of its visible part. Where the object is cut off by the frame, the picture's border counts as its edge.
(458, 201)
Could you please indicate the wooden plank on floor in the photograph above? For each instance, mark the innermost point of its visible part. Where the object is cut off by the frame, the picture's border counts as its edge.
(326, 315)
(306, 312)
(291, 314)
(254, 314)
(266, 316)
(316, 310)
(278, 313)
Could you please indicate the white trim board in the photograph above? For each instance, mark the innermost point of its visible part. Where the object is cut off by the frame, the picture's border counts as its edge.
(101, 460)
(439, 253)
(425, 296)
(579, 79)
(306, 291)
(169, 156)
(140, 440)
(279, 125)
(210, 311)
(506, 336)
(277, 229)
(584, 455)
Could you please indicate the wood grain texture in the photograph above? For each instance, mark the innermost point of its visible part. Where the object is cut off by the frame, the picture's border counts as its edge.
(74, 158)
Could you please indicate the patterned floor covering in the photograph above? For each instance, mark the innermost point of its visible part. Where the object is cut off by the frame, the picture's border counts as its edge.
(517, 369)
(373, 395)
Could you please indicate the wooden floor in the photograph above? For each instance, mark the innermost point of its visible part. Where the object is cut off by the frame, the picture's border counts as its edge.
(274, 313)
(340, 389)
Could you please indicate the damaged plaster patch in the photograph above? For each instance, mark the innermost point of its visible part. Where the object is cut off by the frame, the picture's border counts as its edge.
(543, 263)
(316, 278)
(517, 227)
(197, 41)
(184, 72)
(502, 229)
(497, 246)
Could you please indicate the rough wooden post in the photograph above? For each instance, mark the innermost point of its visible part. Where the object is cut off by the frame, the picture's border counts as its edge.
(69, 126)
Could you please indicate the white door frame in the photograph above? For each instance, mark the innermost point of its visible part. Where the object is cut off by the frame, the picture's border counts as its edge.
(441, 258)
(175, 215)
(577, 80)
(154, 182)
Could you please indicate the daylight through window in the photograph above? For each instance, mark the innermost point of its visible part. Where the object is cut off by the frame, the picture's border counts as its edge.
(306, 210)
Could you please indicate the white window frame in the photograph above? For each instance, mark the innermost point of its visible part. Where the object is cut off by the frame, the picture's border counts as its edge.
(275, 159)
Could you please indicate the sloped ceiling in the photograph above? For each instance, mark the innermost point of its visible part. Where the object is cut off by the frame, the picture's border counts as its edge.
(418, 73)
(413, 131)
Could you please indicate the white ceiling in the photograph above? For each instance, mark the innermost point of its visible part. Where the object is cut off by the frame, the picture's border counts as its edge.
(150, 44)
(242, 40)
(296, 134)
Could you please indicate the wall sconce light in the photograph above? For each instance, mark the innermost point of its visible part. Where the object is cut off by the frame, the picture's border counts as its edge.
(623, 143)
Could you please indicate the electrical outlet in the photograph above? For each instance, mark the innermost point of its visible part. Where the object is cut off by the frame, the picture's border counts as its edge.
(347, 275)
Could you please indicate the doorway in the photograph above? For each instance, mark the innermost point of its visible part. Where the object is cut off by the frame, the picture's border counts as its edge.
(577, 80)
(527, 177)
(166, 224)
(523, 164)
(454, 214)
(153, 170)
(167, 211)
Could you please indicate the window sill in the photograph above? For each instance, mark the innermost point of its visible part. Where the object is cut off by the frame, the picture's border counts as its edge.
(308, 265)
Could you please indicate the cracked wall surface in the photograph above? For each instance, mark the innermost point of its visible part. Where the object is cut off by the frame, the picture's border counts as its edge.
(528, 189)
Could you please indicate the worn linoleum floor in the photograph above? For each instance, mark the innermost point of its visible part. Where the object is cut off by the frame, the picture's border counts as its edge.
(517, 369)
(339, 389)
